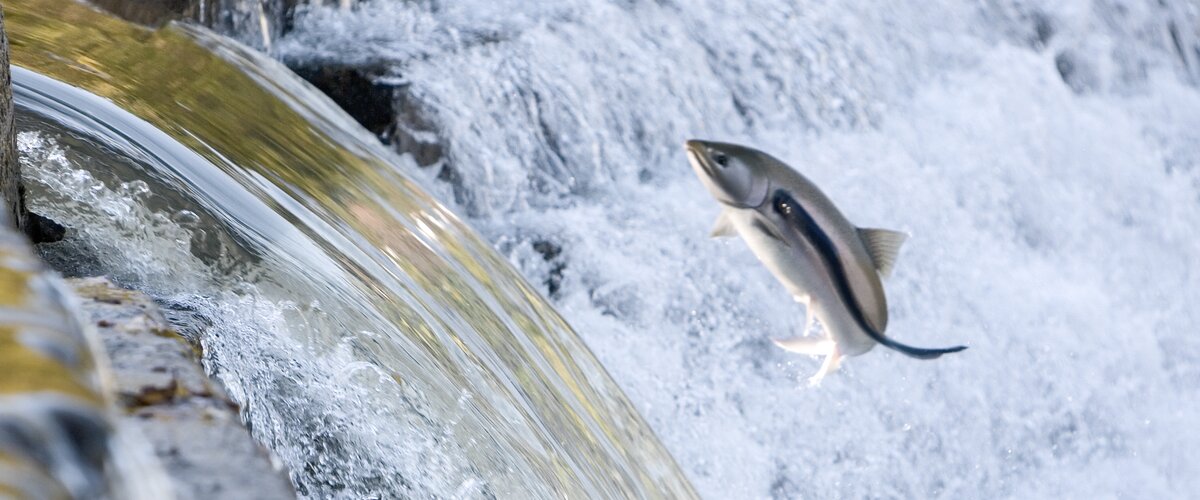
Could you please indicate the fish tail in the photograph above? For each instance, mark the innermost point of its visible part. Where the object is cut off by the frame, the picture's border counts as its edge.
(913, 352)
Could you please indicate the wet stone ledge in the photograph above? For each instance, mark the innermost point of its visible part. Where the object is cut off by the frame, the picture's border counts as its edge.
(54, 409)
(191, 424)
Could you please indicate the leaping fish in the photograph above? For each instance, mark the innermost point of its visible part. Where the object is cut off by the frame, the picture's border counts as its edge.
(824, 261)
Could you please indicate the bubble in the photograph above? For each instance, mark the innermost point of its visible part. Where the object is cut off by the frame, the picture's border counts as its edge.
(186, 218)
(134, 189)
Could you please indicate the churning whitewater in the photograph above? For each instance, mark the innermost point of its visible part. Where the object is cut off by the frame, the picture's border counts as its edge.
(1045, 160)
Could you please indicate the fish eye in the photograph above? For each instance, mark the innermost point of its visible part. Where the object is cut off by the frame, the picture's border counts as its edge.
(721, 159)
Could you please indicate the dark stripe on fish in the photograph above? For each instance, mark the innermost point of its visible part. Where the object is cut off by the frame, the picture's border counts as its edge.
(794, 213)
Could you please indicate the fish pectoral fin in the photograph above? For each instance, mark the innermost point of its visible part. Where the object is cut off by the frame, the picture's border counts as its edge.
(883, 245)
(814, 346)
(724, 226)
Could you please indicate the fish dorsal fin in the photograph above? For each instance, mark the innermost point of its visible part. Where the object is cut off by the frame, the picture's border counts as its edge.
(883, 245)
(724, 227)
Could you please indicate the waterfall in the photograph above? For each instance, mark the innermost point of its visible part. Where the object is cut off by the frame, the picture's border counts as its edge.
(375, 343)
(1043, 158)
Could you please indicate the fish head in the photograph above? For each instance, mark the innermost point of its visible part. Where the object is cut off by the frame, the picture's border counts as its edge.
(735, 175)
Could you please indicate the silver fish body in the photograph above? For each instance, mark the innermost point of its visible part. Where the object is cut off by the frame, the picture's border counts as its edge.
(804, 276)
(821, 258)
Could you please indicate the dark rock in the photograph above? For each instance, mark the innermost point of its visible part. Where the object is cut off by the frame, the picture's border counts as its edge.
(548, 249)
(413, 131)
(40, 229)
(257, 23)
(389, 111)
(356, 91)
(156, 12)
(550, 252)
(11, 193)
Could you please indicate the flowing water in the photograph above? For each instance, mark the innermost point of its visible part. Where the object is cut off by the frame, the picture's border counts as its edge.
(377, 345)
(1045, 158)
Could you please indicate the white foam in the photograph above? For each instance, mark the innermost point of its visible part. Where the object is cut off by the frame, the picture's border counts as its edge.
(1054, 232)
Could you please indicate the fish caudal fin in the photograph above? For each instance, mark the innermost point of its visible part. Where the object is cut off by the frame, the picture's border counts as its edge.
(918, 352)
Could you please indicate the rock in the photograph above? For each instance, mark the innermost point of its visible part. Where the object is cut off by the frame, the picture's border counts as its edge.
(60, 410)
(551, 252)
(388, 111)
(10, 168)
(356, 91)
(257, 23)
(12, 193)
(413, 132)
(41, 229)
(55, 413)
(156, 12)
(55, 416)
(189, 421)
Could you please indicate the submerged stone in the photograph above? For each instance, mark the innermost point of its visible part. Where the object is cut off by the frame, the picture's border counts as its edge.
(191, 424)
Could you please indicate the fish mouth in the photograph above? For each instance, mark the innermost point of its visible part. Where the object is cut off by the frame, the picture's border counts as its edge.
(697, 162)
(694, 150)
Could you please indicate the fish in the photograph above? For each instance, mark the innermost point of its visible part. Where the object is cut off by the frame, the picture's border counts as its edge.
(823, 260)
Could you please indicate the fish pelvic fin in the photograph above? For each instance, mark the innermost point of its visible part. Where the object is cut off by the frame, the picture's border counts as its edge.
(833, 360)
(723, 228)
